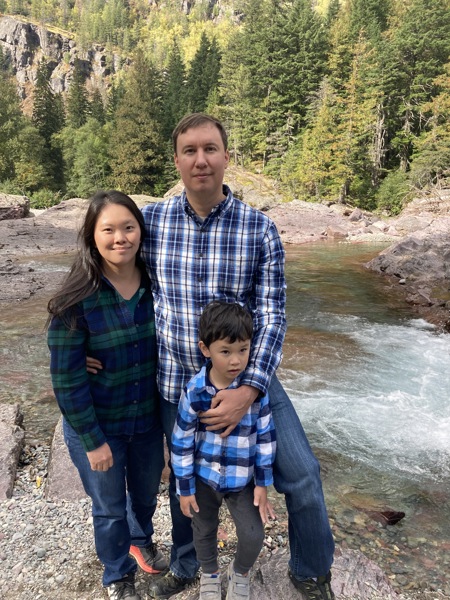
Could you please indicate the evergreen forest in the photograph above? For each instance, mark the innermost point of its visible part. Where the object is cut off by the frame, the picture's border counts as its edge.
(336, 100)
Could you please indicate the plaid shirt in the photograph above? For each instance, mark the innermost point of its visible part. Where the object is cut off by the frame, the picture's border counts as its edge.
(234, 255)
(122, 398)
(226, 464)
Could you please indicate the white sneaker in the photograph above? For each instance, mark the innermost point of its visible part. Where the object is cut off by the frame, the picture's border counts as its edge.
(210, 587)
(238, 585)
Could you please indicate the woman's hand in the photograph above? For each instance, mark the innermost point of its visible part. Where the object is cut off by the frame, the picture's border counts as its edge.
(101, 459)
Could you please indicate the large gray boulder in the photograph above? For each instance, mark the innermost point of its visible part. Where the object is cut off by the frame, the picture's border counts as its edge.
(13, 207)
(11, 443)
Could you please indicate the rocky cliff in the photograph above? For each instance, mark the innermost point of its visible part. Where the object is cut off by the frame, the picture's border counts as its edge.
(24, 44)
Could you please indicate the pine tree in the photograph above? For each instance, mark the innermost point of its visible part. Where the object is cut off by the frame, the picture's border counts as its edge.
(77, 105)
(174, 94)
(137, 145)
(97, 108)
(416, 52)
(203, 74)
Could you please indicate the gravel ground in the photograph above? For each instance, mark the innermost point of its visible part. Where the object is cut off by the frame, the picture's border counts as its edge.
(47, 550)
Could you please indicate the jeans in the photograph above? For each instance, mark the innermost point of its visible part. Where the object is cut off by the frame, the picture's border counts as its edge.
(297, 476)
(138, 463)
(183, 559)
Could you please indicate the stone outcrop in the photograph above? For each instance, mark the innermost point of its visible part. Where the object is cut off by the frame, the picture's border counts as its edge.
(24, 44)
(13, 207)
(11, 443)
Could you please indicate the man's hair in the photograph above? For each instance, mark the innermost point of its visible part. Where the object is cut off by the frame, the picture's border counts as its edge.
(196, 120)
(225, 321)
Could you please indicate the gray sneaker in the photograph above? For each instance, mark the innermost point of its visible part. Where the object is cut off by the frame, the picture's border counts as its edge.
(123, 590)
(210, 587)
(238, 585)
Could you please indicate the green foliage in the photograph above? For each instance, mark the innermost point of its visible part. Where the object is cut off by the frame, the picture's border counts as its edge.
(340, 100)
(393, 192)
(77, 105)
(44, 198)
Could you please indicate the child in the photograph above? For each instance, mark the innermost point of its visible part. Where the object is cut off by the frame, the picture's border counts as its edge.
(210, 468)
(111, 422)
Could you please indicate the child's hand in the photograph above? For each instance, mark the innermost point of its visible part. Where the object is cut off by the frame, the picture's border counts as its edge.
(188, 505)
(265, 508)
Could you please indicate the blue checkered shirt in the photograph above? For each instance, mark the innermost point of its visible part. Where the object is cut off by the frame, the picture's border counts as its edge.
(234, 255)
(226, 464)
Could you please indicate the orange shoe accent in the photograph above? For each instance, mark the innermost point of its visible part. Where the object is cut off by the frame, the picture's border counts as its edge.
(136, 553)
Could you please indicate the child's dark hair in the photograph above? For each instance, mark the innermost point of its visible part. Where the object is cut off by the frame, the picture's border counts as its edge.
(225, 321)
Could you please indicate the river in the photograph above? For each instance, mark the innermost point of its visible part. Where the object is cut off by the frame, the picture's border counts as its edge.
(370, 382)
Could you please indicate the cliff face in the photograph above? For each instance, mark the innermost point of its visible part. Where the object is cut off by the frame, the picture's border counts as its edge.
(24, 44)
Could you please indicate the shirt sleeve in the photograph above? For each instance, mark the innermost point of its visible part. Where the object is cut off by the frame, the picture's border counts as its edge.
(268, 311)
(265, 445)
(183, 447)
(70, 381)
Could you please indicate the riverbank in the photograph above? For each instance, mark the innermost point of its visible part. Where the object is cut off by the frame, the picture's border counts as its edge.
(415, 260)
(46, 550)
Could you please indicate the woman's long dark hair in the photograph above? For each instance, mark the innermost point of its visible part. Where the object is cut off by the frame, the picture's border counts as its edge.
(85, 273)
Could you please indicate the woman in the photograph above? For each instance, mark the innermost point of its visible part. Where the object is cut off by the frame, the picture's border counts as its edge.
(110, 420)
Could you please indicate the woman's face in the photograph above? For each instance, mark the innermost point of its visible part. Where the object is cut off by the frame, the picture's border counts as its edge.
(117, 236)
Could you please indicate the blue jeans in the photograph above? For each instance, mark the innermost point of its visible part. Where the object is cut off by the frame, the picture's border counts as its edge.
(138, 463)
(296, 475)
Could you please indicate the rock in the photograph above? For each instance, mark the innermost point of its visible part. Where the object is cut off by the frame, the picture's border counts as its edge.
(336, 233)
(13, 207)
(11, 443)
(63, 481)
(354, 576)
(25, 44)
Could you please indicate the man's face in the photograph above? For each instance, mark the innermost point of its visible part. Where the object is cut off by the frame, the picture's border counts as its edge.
(201, 160)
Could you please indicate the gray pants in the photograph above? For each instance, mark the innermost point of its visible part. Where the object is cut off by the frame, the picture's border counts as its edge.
(246, 517)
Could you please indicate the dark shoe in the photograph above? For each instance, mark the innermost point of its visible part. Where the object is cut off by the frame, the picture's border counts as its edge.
(313, 589)
(123, 589)
(150, 559)
(169, 585)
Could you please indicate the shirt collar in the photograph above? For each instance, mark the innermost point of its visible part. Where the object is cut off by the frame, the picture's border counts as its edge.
(217, 211)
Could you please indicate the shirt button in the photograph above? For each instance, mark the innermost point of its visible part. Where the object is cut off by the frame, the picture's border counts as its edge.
(136, 364)
(136, 383)
(135, 345)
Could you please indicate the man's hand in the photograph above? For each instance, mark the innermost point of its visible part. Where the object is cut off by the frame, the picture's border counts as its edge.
(187, 505)
(227, 408)
(101, 459)
(93, 365)
(260, 500)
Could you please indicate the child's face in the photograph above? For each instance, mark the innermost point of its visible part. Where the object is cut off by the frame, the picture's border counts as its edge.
(228, 359)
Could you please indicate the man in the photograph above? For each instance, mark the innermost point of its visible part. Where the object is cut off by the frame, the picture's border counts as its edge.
(207, 245)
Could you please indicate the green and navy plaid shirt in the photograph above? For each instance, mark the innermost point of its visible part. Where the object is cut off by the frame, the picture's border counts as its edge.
(122, 398)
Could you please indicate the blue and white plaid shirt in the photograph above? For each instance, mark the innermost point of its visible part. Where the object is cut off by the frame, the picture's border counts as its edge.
(226, 464)
(235, 254)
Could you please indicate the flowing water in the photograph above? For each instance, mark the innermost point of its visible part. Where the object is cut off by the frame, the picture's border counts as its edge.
(370, 382)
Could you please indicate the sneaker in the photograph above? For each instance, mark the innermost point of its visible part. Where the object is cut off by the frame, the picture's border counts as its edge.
(238, 585)
(210, 587)
(123, 589)
(169, 585)
(314, 589)
(150, 559)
